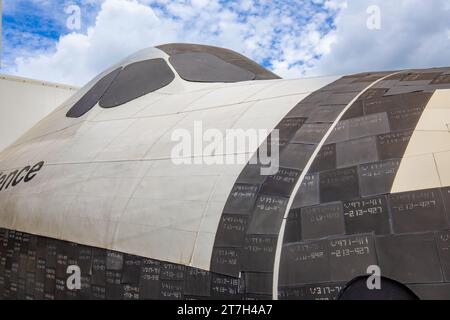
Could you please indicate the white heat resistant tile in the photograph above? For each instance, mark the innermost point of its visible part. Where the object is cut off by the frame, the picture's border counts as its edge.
(85, 147)
(196, 127)
(263, 115)
(171, 104)
(434, 119)
(443, 166)
(59, 180)
(135, 141)
(281, 88)
(229, 95)
(201, 257)
(211, 217)
(41, 214)
(416, 173)
(175, 214)
(89, 231)
(440, 100)
(193, 188)
(200, 166)
(164, 244)
(128, 110)
(428, 142)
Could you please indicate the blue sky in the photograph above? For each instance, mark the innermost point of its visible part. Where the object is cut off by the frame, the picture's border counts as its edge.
(293, 38)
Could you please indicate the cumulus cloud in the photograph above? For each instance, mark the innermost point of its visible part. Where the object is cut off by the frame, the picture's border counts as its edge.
(277, 33)
(293, 38)
(412, 34)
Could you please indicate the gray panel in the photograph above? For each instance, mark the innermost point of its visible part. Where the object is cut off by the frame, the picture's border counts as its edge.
(322, 291)
(149, 285)
(137, 80)
(442, 79)
(377, 178)
(367, 215)
(296, 155)
(446, 197)
(251, 174)
(393, 145)
(341, 132)
(418, 211)
(374, 93)
(114, 287)
(114, 261)
(443, 245)
(308, 194)
(198, 283)
(342, 98)
(231, 231)
(282, 183)
(350, 256)
(305, 263)
(409, 258)
(414, 83)
(258, 254)
(258, 283)
(93, 96)
(289, 126)
(355, 111)
(302, 110)
(355, 152)
(205, 67)
(241, 199)
(311, 133)
(173, 272)
(171, 290)
(438, 291)
(322, 221)
(293, 230)
(386, 104)
(337, 185)
(419, 76)
(268, 215)
(325, 114)
(131, 292)
(369, 125)
(406, 117)
(325, 159)
(226, 261)
(131, 270)
(99, 267)
(224, 288)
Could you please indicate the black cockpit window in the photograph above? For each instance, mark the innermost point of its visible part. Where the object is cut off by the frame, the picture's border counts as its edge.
(205, 67)
(124, 85)
(137, 80)
(91, 98)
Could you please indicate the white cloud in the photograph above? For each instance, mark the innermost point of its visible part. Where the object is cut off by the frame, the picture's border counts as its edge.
(121, 28)
(412, 35)
(293, 36)
(274, 31)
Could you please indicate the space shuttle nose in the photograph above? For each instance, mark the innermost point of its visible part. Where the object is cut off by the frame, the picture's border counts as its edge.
(190, 171)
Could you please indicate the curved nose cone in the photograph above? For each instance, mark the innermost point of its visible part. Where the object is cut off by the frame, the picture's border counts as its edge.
(170, 67)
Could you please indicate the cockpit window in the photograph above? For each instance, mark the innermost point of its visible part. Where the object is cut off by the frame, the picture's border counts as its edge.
(205, 67)
(137, 80)
(91, 98)
(124, 85)
(233, 65)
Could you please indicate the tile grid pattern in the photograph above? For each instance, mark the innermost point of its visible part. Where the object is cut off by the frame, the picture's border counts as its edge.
(345, 219)
(246, 239)
(34, 268)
